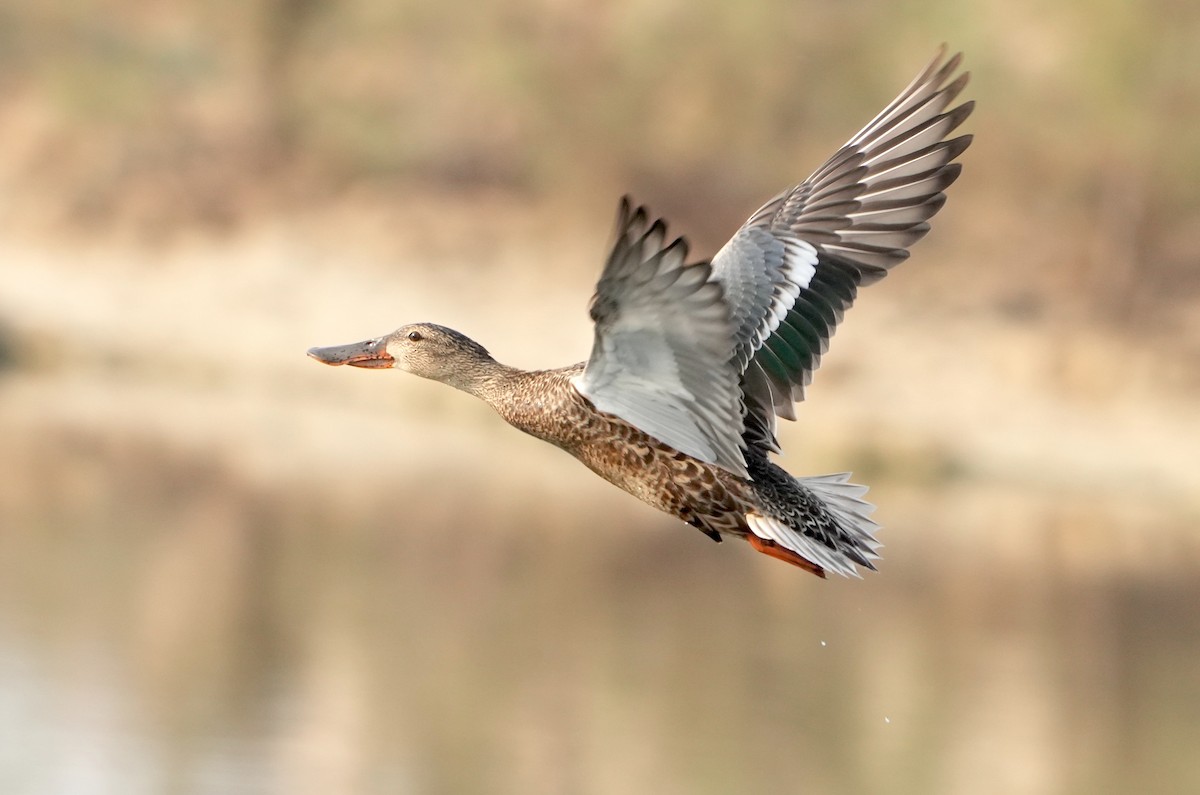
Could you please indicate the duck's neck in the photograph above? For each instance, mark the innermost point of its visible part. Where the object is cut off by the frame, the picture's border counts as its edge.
(537, 402)
(488, 380)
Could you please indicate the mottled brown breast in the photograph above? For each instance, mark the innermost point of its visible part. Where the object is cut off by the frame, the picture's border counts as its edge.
(546, 405)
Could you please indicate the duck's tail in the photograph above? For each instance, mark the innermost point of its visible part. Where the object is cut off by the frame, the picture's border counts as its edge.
(818, 523)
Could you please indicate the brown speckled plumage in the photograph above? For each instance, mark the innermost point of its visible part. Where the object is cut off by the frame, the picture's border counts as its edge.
(545, 405)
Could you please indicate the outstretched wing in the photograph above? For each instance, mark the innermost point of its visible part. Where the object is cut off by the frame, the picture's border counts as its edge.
(796, 265)
(664, 342)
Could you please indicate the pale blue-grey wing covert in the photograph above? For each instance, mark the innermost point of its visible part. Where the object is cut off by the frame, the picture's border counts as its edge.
(663, 344)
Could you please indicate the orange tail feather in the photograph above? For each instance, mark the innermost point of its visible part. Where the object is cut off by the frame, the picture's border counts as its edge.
(773, 550)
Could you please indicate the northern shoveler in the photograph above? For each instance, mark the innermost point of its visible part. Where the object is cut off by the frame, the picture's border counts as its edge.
(693, 362)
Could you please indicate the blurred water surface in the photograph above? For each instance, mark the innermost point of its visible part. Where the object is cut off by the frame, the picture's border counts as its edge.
(166, 627)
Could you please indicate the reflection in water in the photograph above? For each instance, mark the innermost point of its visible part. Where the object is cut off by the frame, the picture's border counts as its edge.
(166, 627)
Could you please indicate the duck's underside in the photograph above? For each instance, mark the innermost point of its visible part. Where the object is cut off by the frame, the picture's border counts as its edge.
(818, 524)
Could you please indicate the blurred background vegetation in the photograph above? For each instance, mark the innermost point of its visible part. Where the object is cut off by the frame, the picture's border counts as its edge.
(225, 569)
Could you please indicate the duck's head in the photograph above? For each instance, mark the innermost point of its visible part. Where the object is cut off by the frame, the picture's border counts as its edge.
(424, 349)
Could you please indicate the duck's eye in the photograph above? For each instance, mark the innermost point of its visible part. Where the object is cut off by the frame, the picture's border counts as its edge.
(414, 336)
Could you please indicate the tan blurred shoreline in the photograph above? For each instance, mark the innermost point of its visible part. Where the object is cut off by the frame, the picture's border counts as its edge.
(200, 348)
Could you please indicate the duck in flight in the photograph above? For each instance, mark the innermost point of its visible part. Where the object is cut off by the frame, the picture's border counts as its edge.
(693, 362)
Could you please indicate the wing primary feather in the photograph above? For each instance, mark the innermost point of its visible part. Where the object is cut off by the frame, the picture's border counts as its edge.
(786, 278)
